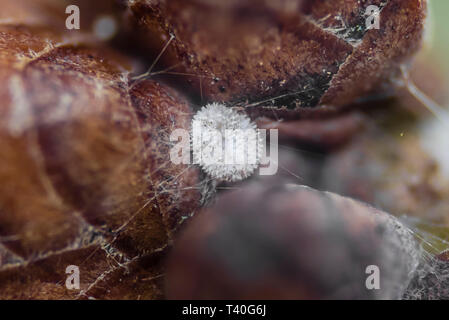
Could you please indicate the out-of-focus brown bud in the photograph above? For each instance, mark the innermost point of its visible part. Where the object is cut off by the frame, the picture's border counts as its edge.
(291, 242)
(388, 164)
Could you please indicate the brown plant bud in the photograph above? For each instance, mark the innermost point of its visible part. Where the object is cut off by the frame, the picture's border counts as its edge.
(84, 164)
(299, 54)
(291, 242)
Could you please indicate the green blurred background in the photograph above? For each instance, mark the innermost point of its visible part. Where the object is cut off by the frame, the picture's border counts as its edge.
(439, 31)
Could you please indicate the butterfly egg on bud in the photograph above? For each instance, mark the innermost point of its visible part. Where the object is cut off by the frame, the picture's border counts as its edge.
(225, 144)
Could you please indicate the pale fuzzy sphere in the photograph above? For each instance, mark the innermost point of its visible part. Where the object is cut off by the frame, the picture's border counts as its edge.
(215, 118)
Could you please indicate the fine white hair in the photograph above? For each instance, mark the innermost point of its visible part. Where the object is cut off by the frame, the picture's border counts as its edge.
(214, 122)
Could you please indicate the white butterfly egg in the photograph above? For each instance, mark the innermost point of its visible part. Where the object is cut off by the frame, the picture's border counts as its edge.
(225, 144)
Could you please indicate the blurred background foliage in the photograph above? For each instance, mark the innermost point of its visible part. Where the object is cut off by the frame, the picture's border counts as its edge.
(439, 31)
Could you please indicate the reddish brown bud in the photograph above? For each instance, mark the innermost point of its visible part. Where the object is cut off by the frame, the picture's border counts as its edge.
(84, 161)
(290, 242)
(322, 53)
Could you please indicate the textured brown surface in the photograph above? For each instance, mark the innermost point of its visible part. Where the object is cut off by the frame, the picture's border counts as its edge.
(84, 164)
(313, 52)
(86, 178)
